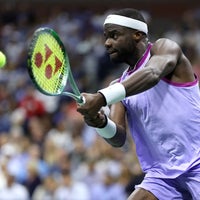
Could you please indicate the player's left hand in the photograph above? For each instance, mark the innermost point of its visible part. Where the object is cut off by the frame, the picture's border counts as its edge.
(92, 106)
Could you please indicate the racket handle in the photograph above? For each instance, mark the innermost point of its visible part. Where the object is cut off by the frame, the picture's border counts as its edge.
(77, 97)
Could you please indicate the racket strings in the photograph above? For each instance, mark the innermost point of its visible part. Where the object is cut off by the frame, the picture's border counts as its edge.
(49, 63)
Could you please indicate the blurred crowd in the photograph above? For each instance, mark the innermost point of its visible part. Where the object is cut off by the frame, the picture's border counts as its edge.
(47, 151)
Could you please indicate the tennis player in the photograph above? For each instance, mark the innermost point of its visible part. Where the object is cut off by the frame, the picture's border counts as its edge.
(159, 96)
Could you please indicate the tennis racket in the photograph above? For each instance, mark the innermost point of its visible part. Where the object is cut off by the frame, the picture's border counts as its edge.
(48, 65)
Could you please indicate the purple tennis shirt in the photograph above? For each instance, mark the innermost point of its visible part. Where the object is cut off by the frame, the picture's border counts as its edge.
(164, 122)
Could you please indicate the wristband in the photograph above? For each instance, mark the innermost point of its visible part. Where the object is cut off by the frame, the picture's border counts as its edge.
(109, 130)
(113, 93)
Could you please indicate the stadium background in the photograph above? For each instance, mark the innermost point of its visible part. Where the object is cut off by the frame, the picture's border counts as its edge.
(46, 149)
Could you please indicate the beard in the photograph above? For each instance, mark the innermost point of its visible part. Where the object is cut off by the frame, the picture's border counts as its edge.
(123, 52)
(116, 58)
(122, 55)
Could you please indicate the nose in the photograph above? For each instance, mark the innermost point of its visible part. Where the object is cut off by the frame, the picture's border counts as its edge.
(107, 43)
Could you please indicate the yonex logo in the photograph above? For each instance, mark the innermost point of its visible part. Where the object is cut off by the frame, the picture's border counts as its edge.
(39, 59)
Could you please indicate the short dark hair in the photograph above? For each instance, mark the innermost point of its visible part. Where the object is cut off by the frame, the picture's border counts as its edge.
(130, 12)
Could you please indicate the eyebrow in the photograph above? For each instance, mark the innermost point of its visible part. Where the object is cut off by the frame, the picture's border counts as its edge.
(109, 32)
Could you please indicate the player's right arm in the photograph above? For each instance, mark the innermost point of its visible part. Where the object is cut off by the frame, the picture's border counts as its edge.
(167, 61)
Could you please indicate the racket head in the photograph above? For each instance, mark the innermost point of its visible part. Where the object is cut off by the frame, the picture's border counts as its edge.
(48, 63)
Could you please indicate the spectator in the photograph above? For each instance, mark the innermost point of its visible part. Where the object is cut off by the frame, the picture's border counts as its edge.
(45, 191)
(71, 189)
(12, 189)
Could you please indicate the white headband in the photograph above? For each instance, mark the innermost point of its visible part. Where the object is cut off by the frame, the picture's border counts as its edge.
(127, 22)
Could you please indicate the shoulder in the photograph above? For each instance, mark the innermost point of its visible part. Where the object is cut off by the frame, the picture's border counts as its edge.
(165, 46)
(164, 41)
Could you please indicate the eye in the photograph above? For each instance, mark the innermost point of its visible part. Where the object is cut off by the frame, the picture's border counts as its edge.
(111, 35)
(114, 35)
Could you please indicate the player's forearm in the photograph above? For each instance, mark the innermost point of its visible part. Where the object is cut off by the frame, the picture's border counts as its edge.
(138, 82)
(141, 81)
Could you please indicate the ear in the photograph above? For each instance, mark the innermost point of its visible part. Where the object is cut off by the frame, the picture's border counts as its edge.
(137, 36)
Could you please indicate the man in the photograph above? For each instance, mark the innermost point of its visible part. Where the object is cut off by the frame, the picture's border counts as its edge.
(159, 96)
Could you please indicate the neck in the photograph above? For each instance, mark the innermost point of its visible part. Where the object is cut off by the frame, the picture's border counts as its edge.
(141, 59)
(142, 47)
